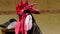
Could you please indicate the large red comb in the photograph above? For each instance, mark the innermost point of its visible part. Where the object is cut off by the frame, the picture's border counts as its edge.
(20, 6)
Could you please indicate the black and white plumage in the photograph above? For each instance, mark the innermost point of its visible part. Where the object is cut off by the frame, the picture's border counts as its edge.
(8, 24)
(35, 29)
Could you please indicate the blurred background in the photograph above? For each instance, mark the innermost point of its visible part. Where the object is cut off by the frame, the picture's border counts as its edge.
(48, 20)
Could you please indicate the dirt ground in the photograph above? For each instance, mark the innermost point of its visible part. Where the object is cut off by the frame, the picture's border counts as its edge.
(48, 23)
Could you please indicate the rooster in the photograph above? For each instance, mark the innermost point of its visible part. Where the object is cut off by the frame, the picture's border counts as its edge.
(26, 23)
